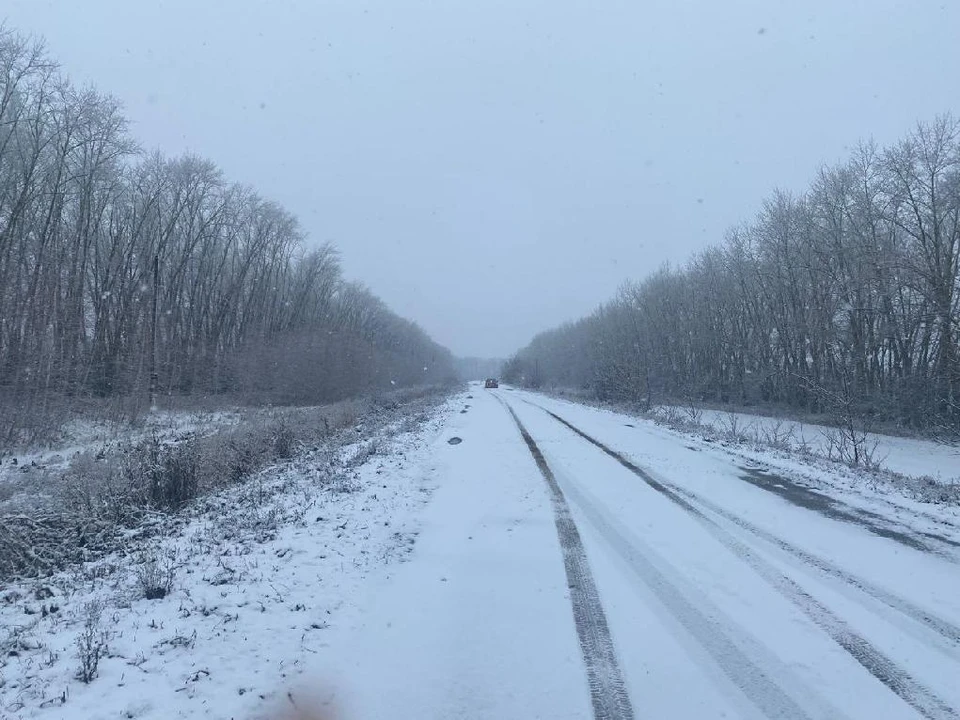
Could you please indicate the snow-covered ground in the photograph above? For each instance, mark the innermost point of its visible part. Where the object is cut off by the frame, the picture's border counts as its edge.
(746, 575)
(909, 456)
(78, 437)
(510, 577)
(258, 572)
(756, 607)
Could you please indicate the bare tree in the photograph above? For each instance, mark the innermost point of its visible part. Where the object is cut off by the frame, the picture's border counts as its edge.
(127, 276)
(850, 290)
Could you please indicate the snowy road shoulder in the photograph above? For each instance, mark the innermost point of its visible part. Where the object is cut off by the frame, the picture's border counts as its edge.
(256, 579)
(426, 572)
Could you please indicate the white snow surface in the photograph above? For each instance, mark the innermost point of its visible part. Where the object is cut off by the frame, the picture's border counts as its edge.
(262, 570)
(909, 456)
(436, 587)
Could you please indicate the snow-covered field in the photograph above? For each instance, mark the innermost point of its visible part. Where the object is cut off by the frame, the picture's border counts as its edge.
(909, 456)
(78, 437)
(257, 574)
(599, 566)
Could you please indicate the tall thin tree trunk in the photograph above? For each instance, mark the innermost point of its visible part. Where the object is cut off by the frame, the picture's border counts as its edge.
(154, 375)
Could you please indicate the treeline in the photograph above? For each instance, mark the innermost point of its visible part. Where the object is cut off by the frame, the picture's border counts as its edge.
(847, 294)
(121, 270)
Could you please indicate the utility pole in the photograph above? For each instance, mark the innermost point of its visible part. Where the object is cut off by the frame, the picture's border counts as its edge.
(154, 377)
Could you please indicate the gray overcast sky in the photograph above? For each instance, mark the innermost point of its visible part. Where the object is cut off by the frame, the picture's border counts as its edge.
(494, 168)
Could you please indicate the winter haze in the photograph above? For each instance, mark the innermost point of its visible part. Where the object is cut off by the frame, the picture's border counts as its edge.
(569, 360)
(492, 169)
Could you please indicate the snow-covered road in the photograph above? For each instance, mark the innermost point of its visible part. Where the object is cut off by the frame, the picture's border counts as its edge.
(606, 567)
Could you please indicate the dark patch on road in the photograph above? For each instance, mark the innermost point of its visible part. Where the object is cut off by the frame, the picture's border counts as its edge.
(629, 425)
(805, 497)
(940, 538)
(921, 615)
(871, 658)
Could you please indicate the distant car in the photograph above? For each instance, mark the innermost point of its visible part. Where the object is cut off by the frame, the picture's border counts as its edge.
(491, 383)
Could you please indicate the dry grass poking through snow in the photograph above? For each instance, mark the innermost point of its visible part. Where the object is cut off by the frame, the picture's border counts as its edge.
(857, 456)
(830, 448)
(143, 567)
(54, 519)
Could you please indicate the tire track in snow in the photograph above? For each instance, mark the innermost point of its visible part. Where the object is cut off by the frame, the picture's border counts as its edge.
(871, 658)
(711, 630)
(938, 625)
(608, 692)
(943, 628)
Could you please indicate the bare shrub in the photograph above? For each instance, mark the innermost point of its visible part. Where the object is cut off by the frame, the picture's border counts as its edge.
(362, 454)
(928, 489)
(735, 430)
(100, 487)
(853, 447)
(175, 479)
(346, 414)
(849, 442)
(233, 457)
(693, 413)
(345, 484)
(243, 462)
(283, 439)
(156, 573)
(779, 436)
(91, 642)
(167, 475)
(666, 415)
(870, 456)
(803, 445)
(44, 541)
(19, 638)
